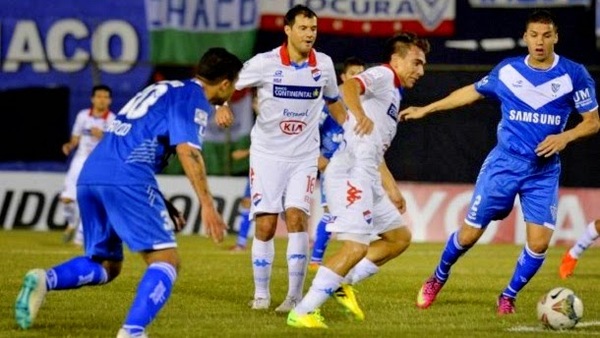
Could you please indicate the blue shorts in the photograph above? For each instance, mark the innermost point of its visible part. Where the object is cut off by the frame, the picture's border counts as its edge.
(502, 177)
(135, 215)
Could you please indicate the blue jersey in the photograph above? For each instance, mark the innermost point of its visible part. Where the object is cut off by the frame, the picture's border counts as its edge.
(332, 134)
(536, 103)
(139, 141)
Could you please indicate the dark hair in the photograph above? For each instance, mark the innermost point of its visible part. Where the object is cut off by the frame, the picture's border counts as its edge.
(541, 16)
(103, 88)
(352, 61)
(290, 16)
(401, 43)
(218, 64)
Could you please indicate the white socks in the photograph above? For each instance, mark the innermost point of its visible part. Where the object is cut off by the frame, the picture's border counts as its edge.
(297, 260)
(262, 264)
(362, 270)
(588, 237)
(323, 286)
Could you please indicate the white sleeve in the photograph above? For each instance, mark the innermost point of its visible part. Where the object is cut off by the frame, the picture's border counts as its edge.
(331, 90)
(251, 74)
(79, 123)
(375, 78)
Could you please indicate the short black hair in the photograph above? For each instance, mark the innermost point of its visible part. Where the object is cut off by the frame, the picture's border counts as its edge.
(401, 43)
(218, 64)
(352, 61)
(290, 16)
(103, 88)
(541, 16)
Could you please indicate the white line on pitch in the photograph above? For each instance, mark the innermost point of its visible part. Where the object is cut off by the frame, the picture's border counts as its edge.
(542, 329)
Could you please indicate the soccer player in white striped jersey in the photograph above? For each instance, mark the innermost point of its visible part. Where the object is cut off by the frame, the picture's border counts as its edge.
(363, 197)
(87, 131)
(537, 93)
(293, 83)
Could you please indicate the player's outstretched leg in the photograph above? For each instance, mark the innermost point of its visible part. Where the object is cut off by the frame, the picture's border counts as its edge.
(312, 320)
(345, 295)
(433, 285)
(569, 259)
(31, 297)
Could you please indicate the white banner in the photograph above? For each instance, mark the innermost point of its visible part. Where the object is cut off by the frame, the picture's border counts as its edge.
(529, 3)
(29, 200)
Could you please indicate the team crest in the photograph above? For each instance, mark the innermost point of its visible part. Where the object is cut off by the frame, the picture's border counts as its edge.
(368, 216)
(256, 198)
(555, 87)
(432, 12)
(316, 74)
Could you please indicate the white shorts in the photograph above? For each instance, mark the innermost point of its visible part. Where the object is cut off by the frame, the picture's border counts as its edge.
(70, 186)
(278, 185)
(357, 201)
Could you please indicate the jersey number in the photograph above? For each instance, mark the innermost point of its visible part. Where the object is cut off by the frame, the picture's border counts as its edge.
(139, 104)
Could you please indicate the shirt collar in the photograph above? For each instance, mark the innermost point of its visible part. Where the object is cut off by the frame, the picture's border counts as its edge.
(285, 57)
(397, 82)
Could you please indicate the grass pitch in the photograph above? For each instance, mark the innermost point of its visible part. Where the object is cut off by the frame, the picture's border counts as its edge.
(214, 286)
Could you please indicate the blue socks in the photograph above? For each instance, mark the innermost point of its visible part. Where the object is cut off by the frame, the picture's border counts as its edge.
(321, 239)
(242, 238)
(450, 255)
(528, 264)
(75, 273)
(152, 294)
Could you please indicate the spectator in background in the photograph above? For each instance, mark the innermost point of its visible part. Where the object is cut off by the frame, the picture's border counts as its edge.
(119, 197)
(537, 93)
(570, 258)
(87, 131)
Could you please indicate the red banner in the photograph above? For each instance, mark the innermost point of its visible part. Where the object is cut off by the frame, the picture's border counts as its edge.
(369, 17)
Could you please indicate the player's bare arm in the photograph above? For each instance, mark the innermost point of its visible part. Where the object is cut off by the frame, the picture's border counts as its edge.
(68, 147)
(552, 144)
(391, 187)
(337, 111)
(351, 91)
(458, 98)
(193, 165)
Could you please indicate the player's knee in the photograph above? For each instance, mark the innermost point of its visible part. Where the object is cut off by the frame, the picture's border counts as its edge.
(112, 268)
(296, 220)
(538, 246)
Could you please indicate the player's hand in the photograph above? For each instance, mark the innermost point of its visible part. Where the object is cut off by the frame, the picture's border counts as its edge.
(96, 132)
(398, 199)
(66, 148)
(322, 163)
(240, 154)
(215, 227)
(176, 216)
(364, 125)
(551, 145)
(224, 117)
(412, 113)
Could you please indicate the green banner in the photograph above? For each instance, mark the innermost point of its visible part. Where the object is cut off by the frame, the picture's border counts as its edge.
(181, 31)
(185, 48)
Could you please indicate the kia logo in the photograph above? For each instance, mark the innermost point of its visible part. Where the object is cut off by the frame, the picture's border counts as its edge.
(292, 127)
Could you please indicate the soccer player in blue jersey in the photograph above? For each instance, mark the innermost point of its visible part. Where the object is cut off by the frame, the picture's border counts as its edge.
(119, 198)
(331, 135)
(537, 93)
